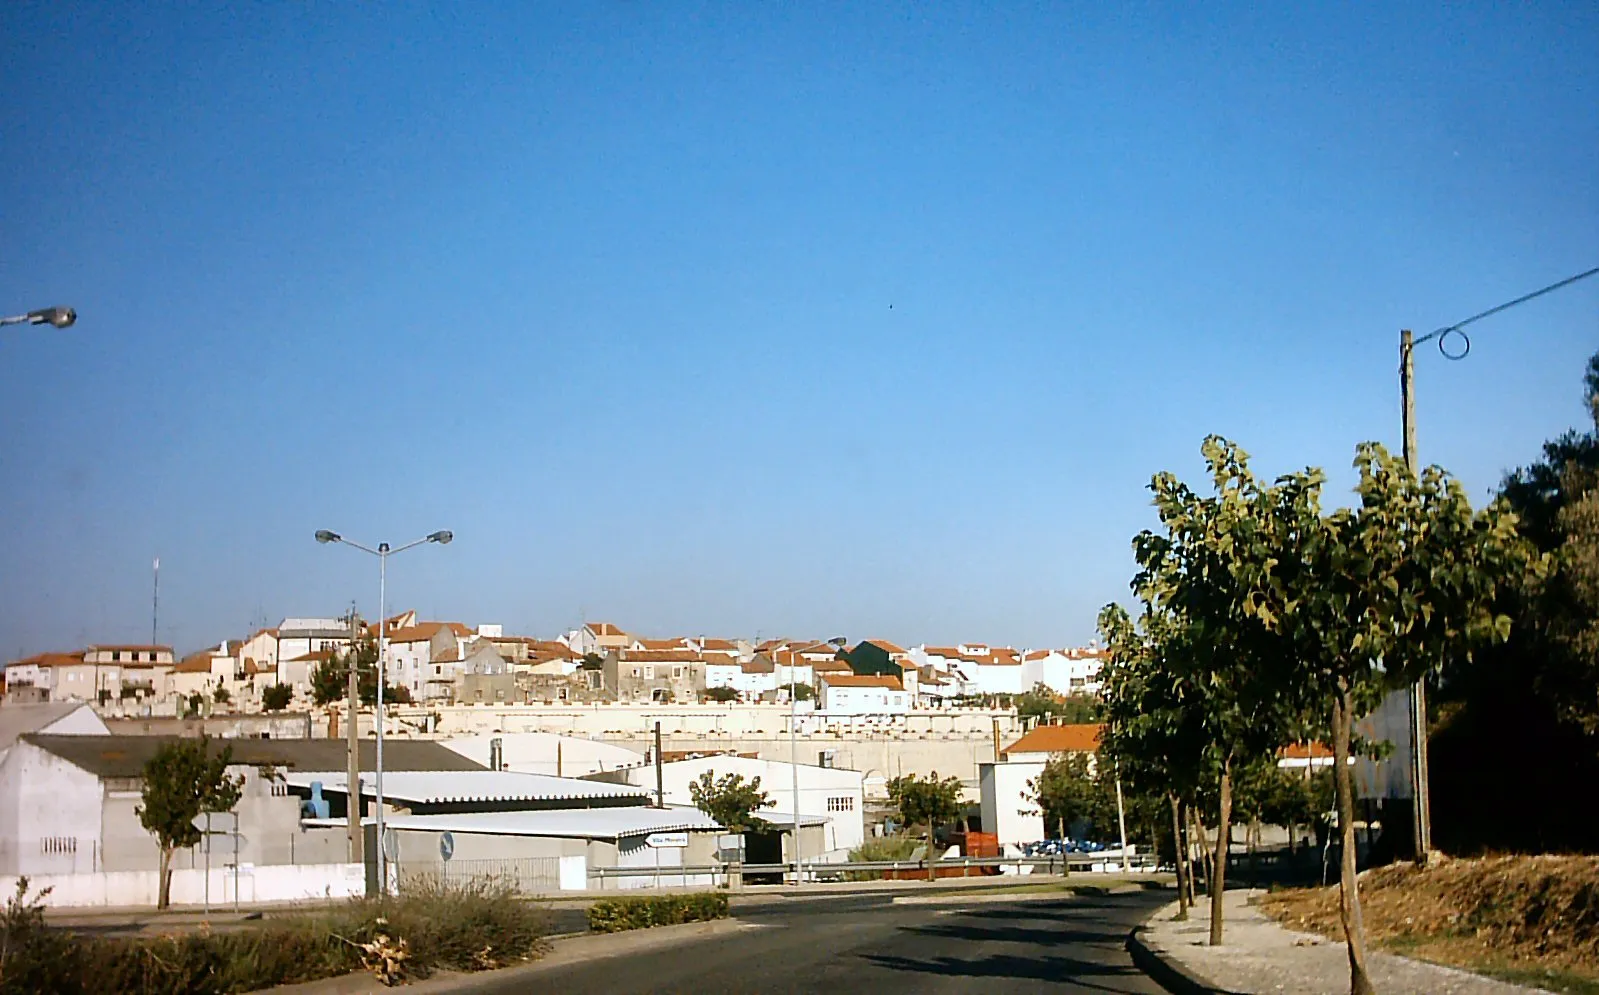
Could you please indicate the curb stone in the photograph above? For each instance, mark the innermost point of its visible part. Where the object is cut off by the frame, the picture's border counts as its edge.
(1165, 971)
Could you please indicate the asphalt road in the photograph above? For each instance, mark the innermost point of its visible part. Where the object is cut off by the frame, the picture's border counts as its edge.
(868, 944)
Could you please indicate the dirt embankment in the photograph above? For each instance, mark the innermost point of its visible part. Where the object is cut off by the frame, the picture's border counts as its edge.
(1496, 913)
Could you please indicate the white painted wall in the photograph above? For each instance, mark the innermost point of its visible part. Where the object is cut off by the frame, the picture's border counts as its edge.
(830, 792)
(1008, 811)
(50, 814)
(998, 678)
(541, 752)
(264, 883)
(863, 701)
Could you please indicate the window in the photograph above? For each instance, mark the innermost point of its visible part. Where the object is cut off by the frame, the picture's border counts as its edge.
(116, 655)
(152, 657)
(845, 803)
(677, 673)
(56, 845)
(649, 673)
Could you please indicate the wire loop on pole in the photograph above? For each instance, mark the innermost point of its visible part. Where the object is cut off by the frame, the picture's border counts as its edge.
(1460, 351)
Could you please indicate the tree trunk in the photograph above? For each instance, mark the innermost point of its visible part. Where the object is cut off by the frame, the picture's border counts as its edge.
(164, 886)
(1181, 856)
(1205, 868)
(1224, 830)
(1348, 886)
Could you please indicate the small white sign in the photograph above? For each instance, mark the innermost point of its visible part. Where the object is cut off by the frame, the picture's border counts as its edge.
(659, 840)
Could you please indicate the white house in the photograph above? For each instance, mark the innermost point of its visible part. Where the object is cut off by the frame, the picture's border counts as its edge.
(298, 637)
(262, 647)
(1009, 811)
(598, 638)
(417, 655)
(875, 694)
(1074, 671)
(830, 792)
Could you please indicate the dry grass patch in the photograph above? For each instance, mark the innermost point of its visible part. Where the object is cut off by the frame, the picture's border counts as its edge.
(1526, 919)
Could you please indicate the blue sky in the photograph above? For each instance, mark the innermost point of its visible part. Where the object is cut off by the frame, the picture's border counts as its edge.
(853, 319)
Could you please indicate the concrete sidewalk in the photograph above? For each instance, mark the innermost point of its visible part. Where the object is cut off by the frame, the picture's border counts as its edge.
(1258, 956)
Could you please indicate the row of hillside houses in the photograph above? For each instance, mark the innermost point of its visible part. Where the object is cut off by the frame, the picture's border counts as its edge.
(452, 663)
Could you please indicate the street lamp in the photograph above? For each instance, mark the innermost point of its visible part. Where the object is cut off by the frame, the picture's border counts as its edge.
(382, 552)
(793, 751)
(60, 317)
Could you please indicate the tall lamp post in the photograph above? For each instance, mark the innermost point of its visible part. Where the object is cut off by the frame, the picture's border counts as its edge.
(382, 552)
(1453, 343)
(60, 317)
(793, 749)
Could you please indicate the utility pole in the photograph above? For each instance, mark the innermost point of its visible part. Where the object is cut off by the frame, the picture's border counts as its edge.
(155, 605)
(1422, 832)
(353, 774)
(660, 787)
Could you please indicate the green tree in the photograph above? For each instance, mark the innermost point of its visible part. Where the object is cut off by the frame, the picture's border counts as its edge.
(276, 697)
(731, 801)
(182, 781)
(221, 695)
(1371, 599)
(195, 702)
(929, 801)
(330, 679)
(801, 692)
(721, 694)
(1211, 651)
(1067, 792)
(1154, 723)
(1044, 705)
(592, 661)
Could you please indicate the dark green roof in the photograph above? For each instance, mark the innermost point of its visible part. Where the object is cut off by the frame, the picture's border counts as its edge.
(125, 756)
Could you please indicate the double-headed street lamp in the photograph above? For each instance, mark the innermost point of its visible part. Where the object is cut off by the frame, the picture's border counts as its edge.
(382, 552)
(60, 317)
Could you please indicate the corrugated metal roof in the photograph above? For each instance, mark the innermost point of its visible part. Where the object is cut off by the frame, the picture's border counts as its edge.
(429, 788)
(572, 823)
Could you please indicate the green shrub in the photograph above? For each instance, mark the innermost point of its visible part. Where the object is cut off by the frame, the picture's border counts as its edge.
(881, 848)
(466, 926)
(613, 915)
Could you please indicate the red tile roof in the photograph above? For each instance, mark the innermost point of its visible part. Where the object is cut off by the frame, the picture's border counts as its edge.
(423, 631)
(892, 649)
(662, 644)
(661, 656)
(603, 629)
(1080, 738)
(50, 660)
(1307, 751)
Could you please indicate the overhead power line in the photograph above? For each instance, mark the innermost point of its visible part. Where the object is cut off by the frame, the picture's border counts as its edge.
(1442, 334)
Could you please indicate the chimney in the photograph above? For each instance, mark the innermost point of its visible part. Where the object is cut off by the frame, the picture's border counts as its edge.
(496, 753)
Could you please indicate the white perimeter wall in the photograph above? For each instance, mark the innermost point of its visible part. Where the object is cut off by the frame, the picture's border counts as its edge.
(267, 883)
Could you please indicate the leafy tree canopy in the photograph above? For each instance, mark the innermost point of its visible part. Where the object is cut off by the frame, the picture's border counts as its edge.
(928, 801)
(731, 801)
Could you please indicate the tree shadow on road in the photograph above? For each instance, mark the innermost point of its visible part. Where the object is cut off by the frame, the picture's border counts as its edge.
(1017, 934)
(1059, 970)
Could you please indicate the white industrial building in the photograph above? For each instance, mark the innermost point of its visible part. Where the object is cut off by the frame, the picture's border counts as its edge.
(544, 753)
(831, 797)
